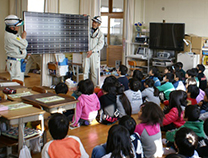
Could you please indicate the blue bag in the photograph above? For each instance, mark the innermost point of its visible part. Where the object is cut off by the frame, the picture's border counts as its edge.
(23, 65)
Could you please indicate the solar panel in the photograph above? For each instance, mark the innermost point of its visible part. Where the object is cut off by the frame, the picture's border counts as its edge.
(56, 33)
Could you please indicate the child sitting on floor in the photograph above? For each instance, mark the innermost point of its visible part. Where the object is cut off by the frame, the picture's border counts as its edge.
(202, 78)
(123, 104)
(192, 93)
(61, 88)
(137, 74)
(130, 124)
(178, 84)
(122, 71)
(62, 145)
(88, 105)
(108, 113)
(134, 95)
(150, 93)
(191, 73)
(174, 113)
(203, 104)
(151, 116)
(191, 116)
(186, 143)
(167, 87)
(180, 67)
(110, 79)
(154, 74)
(118, 143)
(192, 81)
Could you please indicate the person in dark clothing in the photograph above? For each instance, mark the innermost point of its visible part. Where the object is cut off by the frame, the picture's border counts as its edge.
(202, 78)
(108, 113)
(122, 71)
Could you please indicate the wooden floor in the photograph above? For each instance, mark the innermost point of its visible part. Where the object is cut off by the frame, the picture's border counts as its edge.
(90, 136)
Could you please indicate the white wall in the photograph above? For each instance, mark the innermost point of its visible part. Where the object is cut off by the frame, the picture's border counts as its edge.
(4, 11)
(191, 12)
(69, 6)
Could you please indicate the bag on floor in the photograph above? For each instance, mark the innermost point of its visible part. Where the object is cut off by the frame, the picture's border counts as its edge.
(25, 152)
(102, 117)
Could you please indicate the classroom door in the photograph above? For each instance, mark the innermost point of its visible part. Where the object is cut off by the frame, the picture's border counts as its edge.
(112, 27)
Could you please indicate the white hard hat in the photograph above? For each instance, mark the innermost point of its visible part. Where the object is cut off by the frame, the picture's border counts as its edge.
(97, 19)
(13, 20)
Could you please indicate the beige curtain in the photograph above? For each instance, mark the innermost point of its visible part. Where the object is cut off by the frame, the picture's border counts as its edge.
(46, 80)
(128, 26)
(90, 7)
(17, 7)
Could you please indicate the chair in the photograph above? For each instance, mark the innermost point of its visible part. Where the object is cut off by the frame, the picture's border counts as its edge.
(18, 81)
(3, 78)
(132, 65)
(39, 89)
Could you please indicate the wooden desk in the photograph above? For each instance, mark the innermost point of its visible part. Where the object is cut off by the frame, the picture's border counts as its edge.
(21, 90)
(12, 87)
(52, 107)
(20, 117)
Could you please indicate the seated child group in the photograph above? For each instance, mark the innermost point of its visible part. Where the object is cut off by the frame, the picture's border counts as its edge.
(172, 109)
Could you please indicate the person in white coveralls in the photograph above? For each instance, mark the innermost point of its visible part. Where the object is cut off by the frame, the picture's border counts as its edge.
(15, 47)
(91, 59)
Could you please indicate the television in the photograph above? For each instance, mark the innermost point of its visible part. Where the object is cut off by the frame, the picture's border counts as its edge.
(167, 36)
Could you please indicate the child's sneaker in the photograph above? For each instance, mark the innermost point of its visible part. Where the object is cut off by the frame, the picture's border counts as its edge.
(86, 123)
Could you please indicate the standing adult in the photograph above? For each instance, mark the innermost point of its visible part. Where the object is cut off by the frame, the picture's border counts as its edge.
(91, 59)
(15, 47)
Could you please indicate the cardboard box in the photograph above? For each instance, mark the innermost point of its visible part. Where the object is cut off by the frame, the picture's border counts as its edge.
(196, 41)
(141, 63)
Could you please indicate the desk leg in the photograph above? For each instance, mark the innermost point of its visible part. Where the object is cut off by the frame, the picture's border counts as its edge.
(21, 134)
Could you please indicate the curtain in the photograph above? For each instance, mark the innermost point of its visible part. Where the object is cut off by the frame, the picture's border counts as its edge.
(128, 26)
(90, 7)
(46, 80)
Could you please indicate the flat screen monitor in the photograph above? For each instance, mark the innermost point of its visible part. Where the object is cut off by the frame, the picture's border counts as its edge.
(167, 36)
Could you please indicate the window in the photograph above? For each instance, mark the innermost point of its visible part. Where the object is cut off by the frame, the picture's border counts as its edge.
(104, 6)
(118, 5)
(35, 5)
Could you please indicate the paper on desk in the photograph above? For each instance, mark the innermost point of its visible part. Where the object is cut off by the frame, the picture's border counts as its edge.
(6, 84)
(3, 107)
(18, 95)
(18, 106)
(50, 99)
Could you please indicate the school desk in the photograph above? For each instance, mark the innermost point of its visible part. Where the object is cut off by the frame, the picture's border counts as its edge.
(51, 107)
(20, 117)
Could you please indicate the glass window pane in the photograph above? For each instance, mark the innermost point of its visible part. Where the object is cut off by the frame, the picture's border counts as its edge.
(104, 25)
(118, 5)
(104, 6)
(35, 6)
(116, 31)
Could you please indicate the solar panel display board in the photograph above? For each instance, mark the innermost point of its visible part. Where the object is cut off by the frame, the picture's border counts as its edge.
(56, 33)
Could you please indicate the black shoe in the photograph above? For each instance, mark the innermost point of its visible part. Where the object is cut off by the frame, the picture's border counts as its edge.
(26, 76)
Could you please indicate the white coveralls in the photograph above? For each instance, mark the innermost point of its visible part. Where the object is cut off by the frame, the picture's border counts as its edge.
(92, 63)
(15, 47)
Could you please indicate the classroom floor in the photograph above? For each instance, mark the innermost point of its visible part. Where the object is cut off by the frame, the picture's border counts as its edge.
(90, 136)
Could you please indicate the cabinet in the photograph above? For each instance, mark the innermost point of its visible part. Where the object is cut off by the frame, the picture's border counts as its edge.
(161, 59)
(140, 53)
